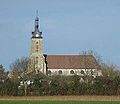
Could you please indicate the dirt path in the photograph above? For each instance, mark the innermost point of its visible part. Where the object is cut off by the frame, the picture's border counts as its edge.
(65, 98)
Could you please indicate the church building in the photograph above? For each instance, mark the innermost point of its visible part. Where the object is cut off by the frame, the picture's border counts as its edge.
(59, 64)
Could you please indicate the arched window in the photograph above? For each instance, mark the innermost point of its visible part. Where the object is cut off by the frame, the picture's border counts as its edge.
(72, 72)
(82, 72)
(49, 72)
(60, 72)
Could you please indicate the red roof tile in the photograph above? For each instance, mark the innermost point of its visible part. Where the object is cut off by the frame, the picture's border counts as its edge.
(71, 62)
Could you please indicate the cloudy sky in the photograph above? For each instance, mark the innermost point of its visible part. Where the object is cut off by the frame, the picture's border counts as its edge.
(68, 26)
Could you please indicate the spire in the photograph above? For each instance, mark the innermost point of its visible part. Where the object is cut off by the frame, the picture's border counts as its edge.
(36, 22)
(36, 33)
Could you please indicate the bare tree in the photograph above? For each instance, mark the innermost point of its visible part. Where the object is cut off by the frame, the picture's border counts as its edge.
(19, 66)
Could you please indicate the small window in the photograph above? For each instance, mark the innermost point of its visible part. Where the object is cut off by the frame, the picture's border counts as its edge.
(36, 42)
(36, 60)
(82, 72)
(60, 72)
(37, 57)
(72, 72)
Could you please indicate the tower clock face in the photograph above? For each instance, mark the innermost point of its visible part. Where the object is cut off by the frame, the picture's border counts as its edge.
(37, 35)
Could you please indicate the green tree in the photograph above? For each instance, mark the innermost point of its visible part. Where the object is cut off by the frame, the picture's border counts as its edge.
(74, 85)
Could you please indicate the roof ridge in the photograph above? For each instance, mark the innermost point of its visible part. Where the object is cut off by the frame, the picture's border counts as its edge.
(67, 55)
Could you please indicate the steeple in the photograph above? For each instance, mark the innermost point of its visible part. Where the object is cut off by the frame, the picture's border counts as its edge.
(36, 54)
(36, 33)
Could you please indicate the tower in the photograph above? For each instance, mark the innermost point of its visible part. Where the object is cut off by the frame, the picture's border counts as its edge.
(36, 54)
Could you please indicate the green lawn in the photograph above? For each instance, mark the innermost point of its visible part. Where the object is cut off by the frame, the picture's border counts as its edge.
(59, 102)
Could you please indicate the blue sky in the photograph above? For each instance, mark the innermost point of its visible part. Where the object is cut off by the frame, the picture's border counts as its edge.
(68, 26)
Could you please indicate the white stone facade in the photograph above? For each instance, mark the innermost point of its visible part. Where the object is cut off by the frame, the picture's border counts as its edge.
(70, 72)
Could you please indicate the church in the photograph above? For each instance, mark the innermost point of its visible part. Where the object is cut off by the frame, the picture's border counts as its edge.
(59, 64)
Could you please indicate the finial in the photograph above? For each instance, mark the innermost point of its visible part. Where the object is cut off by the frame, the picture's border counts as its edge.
(36, 13)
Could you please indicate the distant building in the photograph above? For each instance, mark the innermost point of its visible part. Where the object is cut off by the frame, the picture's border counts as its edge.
(59, 64)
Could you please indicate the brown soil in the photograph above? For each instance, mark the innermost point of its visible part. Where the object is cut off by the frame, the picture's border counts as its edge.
(64, 98)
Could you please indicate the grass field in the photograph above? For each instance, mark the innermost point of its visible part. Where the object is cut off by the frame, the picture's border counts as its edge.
(58, 102)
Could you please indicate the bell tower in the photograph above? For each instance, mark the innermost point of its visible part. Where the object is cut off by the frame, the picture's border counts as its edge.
(36, 54)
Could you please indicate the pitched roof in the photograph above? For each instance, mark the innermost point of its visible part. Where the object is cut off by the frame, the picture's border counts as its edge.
(71, 62)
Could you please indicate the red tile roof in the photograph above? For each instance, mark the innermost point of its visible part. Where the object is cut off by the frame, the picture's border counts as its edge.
(71, 62)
